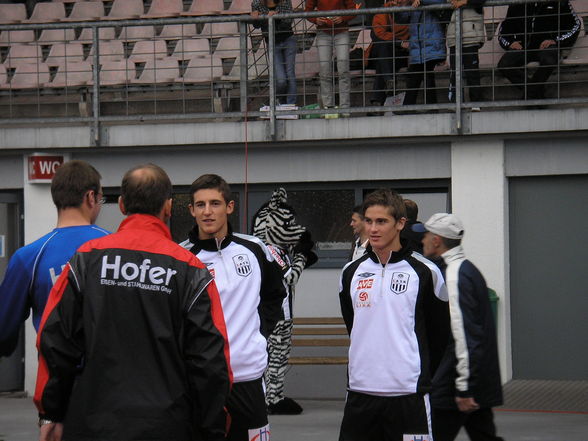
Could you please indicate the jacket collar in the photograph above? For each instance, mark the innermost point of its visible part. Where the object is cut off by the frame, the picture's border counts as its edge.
(395, 256)
(145, 222)
(453, 254)
(209, 244)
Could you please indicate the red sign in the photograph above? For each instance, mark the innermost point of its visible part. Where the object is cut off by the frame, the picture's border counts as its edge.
(42, 167)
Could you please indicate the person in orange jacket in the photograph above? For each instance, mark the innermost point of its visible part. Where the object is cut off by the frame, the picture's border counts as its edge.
(333, 34)
(389, 51)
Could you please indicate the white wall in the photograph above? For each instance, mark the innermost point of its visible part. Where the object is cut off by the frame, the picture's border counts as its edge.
(480, 198)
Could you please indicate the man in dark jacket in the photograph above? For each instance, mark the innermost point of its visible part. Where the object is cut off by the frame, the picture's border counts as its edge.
(467, 383)
(536, 32)
(132, 343)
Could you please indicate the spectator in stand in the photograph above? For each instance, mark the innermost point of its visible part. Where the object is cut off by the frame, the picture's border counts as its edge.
(427, 49)
(285, 46)
(472, 37)
(536, 31)
(333, 34)
(390, 52)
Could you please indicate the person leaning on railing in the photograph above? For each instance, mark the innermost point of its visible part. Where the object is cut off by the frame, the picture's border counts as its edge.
(333, 33)
(472, 39)
(285, 46)
(427, 49)
(390, 52)
(536, 31)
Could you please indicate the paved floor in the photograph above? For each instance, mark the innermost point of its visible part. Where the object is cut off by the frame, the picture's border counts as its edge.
(320, 422)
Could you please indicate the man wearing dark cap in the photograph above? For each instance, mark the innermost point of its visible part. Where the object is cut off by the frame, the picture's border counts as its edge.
(467, 383)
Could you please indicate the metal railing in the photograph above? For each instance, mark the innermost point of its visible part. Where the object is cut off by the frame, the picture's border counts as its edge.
(246, 79)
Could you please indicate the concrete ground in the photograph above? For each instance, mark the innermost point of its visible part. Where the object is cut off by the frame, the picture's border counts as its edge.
(320, 422)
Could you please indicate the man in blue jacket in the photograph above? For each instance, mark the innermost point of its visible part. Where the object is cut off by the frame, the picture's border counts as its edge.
(33, 269)
(467, 383)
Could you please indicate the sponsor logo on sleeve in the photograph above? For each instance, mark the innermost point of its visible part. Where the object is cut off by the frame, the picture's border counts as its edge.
(399, 283)
(242, 265)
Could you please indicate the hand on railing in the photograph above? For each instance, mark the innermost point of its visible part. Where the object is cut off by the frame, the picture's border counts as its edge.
(516, 45)
(458, 3)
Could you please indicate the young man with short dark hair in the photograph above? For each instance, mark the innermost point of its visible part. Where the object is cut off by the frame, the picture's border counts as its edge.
(251, 291)
(132, 344)
(386, 297)
(360, 238)
(34, 268)
(467, 383)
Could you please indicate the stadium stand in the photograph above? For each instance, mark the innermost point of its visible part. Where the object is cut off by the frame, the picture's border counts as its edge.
(12, 12)
(205, 7)
(165, 8)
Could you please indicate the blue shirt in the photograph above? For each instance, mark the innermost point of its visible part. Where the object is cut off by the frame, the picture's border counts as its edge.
(31, 273)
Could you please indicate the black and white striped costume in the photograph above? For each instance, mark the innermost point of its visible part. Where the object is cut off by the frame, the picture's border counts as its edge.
(275, 224)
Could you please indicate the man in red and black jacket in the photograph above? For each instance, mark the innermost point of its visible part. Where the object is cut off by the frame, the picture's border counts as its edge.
(132, 343)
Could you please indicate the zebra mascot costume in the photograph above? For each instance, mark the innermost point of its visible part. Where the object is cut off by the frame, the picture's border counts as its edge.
(290, 243)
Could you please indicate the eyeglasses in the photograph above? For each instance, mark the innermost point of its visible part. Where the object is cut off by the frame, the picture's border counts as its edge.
(102, 199)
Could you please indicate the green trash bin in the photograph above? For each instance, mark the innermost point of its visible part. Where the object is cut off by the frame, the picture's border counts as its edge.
(493, 303)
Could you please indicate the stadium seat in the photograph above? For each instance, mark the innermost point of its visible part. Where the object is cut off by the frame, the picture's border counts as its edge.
(87, 35)
(258, 67)
(134, 33)
(217, 30)
(178, 32)
(165, 8)
(115, 73)
(240, 7)
(70, 74)
(202, 69)
(122, 9)
(23, 54)
(62, 53)
(12, 13)
(228, 47)
(579, 53)
(303, 26)
(307, 63)
(490, 53)
(189, 48)
(47, 12)
(29, 76)
(3, 76)
(49, 36)
(146, 50)
(87, 11)
(205, 7)
(109, 51)
(9, 37)
(163, 70)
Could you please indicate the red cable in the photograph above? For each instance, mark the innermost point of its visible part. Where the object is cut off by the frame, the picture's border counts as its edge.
(246, 202)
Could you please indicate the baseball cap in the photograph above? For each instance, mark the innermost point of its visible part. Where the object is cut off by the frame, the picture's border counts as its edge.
(443, 224)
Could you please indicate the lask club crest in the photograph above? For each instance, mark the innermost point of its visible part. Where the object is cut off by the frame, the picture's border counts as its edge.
(399, 282)
(242, 265)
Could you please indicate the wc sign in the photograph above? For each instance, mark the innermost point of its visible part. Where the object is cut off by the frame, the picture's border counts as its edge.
(42, 167)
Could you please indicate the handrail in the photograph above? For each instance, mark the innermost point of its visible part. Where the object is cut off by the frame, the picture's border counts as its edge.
(97, 118)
